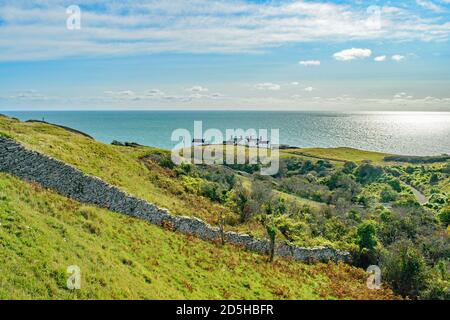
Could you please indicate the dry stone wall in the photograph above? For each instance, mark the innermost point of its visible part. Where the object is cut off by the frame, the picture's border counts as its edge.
(71, 182)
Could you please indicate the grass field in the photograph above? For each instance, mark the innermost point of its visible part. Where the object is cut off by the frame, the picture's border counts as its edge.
(340, 154)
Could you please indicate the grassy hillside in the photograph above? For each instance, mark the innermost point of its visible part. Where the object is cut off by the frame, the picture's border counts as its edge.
(41, 233)
(116, 165)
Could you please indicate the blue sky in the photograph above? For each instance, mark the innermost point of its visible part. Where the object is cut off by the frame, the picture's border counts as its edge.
(207, 54)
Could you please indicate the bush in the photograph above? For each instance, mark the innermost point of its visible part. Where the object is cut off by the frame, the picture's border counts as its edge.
(418, 159)
(211, 191)
(388, 195)
(368, 173)
(354, 215)
(166, 162)
(438, 287)
(395, 184)
(366, 235)
(404, 269)
(349, 167)
(434, 178)
(184, 169)
(444, 216)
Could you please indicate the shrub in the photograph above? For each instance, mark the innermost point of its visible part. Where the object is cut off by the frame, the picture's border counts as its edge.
(366, 235)
(354, 215)
(211, 191)
(404, 269)
(349, 167)
(368, 173)
(444, 216)
(291, 229)
(438, 287)
(388, 195)
(386, 216)
(184, 169)
(395, 184)
(434, 178)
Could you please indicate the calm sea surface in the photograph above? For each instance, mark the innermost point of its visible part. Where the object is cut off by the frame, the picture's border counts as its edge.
(401, 132)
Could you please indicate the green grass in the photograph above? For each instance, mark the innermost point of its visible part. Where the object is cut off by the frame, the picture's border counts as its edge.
(42, 233)
(120, 166)
(340, 154)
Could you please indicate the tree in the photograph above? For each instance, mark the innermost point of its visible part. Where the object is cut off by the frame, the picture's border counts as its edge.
(271, 232)
(368, 173)
(222, 227)
(307, 167)
(434, 178)
(241, 199)
(366, 235)
(388, 195)
(404, 269)
(395, 184)
(349, 167)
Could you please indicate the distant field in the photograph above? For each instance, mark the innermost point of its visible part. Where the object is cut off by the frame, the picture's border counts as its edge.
(340, 154)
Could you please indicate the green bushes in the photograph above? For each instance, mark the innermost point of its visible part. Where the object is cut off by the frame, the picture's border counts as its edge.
(434, 179)
(444, 216)
(415, 159)
(367, 173)
(367, 235)
(390, 214)
(438, 287)
(404, 269)
(349, 167)
(388, 195)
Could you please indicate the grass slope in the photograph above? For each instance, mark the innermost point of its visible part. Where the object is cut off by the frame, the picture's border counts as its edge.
(119, 166)
(41, 233)
(340, 154)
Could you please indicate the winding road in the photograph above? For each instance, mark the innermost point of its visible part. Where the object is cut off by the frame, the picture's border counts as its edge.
(421, 198)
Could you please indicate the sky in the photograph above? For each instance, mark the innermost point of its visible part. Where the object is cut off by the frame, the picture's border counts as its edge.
(231, 54)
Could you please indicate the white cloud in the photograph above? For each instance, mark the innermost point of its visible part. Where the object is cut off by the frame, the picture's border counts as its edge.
(295, 83)
(352, 54)
(398, 58)
(380, 58)
(402, 95)
(430, 5)
(268, 86)
(309, 89)
(154, 93)
(30, 94)
(197, 89)
(195, 93)
(37, 31)
(310, 63)
(120, 93)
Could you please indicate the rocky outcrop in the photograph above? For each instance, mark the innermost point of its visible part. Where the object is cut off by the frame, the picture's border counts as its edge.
(69, 181)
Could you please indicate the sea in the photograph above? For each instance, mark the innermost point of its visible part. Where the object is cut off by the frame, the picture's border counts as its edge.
(407, 133)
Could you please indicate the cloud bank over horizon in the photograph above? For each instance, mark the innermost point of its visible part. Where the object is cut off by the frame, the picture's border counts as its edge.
(225, 53)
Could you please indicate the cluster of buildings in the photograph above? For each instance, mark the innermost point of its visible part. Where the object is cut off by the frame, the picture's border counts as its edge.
(252, 142)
